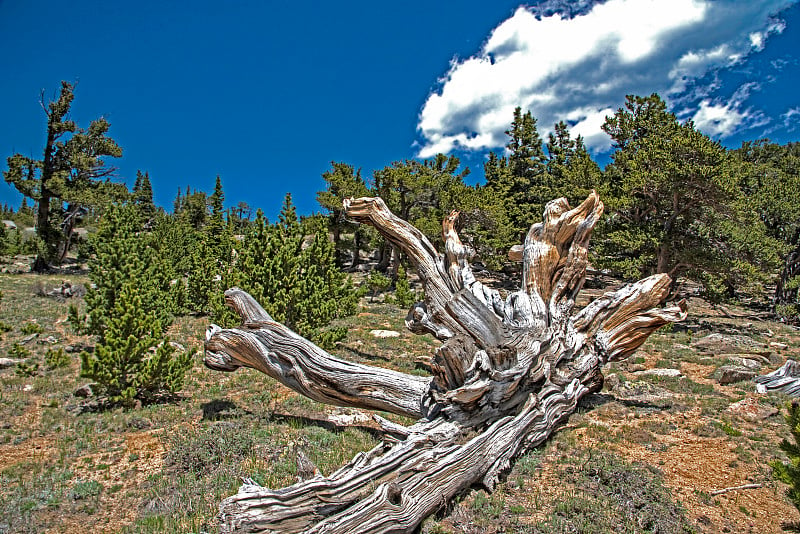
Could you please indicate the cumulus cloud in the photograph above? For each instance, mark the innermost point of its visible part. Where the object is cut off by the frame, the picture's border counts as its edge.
(578, 64)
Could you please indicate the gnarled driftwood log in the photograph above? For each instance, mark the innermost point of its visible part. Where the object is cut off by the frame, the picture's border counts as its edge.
(508, 371)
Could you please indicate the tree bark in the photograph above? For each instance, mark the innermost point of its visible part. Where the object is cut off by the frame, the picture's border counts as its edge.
(508, 372)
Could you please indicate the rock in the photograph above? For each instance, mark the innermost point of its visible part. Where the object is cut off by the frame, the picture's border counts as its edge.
(28, 339)
(5, 363)
(636, 367)
(141, 423)
(778, 346)
(384, 333)
(27, 387)
(671, 373)
(747, 363)
(84, 391)
(644, 393)
(681, 346)
(730, 344)
(763, 360)
(50, 340)
(729, 374)
(177, 346)
(612, 382)
(751, 410)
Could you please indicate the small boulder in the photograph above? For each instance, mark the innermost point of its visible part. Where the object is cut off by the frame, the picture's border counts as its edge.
(612, 382)
(384, 333)
(670, 373)
(5, 363)
(751, 410)
(729, 374)
(84, 391)
(747, 363)
(778, 346)
(730, 344)
(29, 338)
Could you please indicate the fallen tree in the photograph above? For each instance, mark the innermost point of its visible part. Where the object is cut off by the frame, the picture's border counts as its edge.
(509, 370)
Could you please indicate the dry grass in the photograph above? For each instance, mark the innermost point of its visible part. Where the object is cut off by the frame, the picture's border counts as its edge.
(163, 468)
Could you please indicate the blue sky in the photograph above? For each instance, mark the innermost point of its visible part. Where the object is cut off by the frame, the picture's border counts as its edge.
(267, 94)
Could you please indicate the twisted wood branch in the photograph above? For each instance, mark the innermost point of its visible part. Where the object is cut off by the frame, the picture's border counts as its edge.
(508, 371)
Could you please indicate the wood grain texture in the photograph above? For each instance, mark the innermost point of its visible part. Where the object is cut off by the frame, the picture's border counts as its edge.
(508, 372)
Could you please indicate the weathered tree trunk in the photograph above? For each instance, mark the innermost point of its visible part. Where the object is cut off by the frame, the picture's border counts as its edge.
(508, 371)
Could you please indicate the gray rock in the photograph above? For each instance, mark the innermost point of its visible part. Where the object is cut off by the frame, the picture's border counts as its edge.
(384, 333)
(612, 382)
(28, 339)
(671, 373)
(729, 374)
(641, 392)
(778, 346)
(5, 363)
(84, 391)
(747, 363)
(751, 410)
(730, 344)
(141, 423)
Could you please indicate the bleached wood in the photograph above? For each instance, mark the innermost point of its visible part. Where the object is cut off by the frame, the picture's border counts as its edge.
(508, 372)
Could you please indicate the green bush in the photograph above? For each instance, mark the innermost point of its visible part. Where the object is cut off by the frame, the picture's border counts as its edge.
(789, 473)
(55, 358)
(31, 328)
(27, 369)
(289, 268)
(376, 282)
(18, 351)
(404, 296)
(128, 310)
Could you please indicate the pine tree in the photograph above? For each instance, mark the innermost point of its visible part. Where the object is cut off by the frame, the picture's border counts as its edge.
(790, 473)
(668, 195)
(142, 195)
(344, 181)
(71, 172)
(290, 268)
(128, 311)
(404, 296)
(211, 258)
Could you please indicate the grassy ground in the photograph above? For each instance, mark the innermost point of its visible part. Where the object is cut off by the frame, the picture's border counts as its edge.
(617, 466)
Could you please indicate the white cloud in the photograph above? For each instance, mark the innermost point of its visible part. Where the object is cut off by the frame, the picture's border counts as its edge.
(791, 119)
(717, 119)
(580, 69)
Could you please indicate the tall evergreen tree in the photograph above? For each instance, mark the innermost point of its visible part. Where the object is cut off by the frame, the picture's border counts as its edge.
(142, 196)
(70, 176)
(521, 180)
(769, 177)
(341, 182)
(672, 200)
(211, 257)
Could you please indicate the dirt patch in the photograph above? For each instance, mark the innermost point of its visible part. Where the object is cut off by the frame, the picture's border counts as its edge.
(141, 456)
(39, 449)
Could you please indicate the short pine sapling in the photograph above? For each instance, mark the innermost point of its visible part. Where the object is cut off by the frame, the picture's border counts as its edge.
(789, 473)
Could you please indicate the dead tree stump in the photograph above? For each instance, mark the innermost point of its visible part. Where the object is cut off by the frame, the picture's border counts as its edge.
(508, 372)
